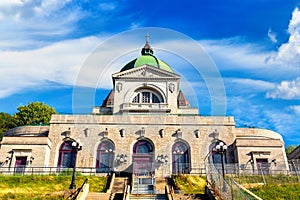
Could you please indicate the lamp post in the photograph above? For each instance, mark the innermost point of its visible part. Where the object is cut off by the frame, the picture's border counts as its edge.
(76, 146)
(221, 148)
(120, 159)
(162, 160)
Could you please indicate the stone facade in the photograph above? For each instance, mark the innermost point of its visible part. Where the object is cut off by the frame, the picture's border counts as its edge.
(144, 125)
(295, 154)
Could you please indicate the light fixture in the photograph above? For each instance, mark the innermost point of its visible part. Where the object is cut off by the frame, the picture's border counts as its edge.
(31, 159)
(121, 158)
(7, 159)
(76, 146)
(162, 159)
(221, 148)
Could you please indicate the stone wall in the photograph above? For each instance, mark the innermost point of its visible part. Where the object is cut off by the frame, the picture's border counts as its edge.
(253, 144)
(152, 125)
(36, 147)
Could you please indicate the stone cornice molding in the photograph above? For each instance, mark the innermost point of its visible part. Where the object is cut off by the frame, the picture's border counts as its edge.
(145, 69)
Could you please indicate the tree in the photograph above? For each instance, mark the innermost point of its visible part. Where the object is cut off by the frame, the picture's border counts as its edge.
(289, 149)
(6, 122)
(33, 114)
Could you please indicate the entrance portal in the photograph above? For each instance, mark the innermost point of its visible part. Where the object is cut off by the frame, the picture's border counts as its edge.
(142, 158)
(20, 164)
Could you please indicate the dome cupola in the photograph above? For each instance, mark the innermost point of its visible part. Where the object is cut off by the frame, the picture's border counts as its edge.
(147, 58)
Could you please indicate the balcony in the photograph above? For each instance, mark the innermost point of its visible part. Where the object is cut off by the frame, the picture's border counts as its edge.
(145, 107)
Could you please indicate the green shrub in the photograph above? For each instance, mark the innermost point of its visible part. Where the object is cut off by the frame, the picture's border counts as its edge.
(190, 184)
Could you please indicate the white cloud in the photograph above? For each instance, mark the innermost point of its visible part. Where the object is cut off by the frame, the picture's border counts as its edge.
(295, 108)
(59, 62)
(289, 53)
(107, 6)
(284, 123)
(255, 85)
(286, 90)
(31, 20)
(272, 36)
(230, 54)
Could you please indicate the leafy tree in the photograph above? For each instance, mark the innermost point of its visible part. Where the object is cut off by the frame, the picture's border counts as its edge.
(6, 122)
(289, 149)
(34, 113)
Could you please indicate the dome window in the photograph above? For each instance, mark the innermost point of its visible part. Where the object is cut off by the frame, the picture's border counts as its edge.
(147, 97)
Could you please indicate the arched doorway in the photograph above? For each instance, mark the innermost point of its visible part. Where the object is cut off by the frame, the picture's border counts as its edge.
(66, 155)
(105, 157)
(180, 158)
(142, 158)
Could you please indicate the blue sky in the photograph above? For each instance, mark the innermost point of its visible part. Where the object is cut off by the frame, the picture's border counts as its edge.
(255, 45)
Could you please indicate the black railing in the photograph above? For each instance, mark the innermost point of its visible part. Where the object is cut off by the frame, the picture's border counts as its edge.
(27, 170)
(79, 189)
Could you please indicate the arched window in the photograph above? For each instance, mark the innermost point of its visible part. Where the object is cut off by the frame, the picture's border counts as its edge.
(142, 147)
(147, 96)
(180, 158)
(105, 157)
(66, 155)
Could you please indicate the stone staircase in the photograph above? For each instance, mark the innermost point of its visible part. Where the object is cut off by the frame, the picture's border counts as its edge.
(148, 197)
(143, 185)
(118, 188)
(145, 188)
(115, 194)
(119, 183)
(97, 196)
(160, 184)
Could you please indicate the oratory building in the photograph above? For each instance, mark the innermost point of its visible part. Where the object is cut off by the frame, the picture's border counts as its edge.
(145, 126)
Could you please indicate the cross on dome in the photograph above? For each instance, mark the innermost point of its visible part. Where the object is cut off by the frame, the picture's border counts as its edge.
(147, 50)
(147, 36)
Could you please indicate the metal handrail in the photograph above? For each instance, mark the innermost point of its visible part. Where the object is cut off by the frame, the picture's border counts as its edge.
(80, 189)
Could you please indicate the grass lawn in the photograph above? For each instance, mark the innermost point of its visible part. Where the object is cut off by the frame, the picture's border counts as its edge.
(190, 184)
(275, 191)
(280, 178)
(44, 186)
(278, 187)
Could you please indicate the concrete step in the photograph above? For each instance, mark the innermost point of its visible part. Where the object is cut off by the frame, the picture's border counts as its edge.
(143, 189)
(97, 196)
(147, 181)
(160, 184)
(190, 196)
(116, 196)
(148, 197)
(118, 186)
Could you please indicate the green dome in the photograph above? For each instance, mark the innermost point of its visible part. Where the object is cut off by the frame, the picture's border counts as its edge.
(147, 58)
